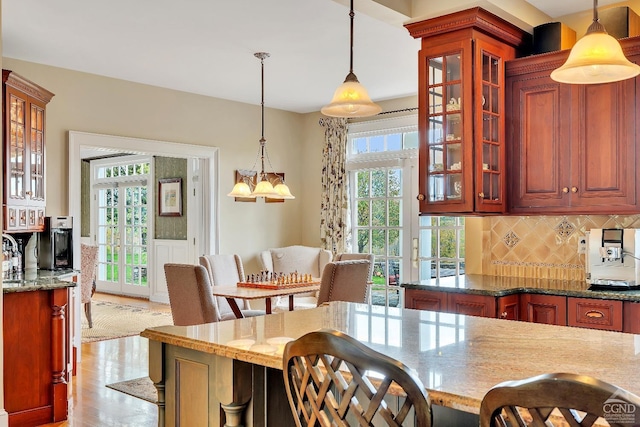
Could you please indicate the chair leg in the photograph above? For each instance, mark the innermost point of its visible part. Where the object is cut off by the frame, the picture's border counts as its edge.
(87, 313)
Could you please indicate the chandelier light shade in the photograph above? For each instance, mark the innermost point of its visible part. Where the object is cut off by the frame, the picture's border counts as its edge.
(595, 58)
(252, 185)
(351, 99)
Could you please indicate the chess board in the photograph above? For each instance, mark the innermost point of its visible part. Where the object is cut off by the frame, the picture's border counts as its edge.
(271, 285)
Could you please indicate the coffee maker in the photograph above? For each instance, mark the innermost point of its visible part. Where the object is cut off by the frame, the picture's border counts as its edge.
(612, 258)
(55, 243)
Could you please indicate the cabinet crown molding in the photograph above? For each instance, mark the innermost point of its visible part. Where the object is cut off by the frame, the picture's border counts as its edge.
(27, 86)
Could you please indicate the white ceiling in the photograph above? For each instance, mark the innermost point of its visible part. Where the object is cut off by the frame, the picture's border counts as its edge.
(207, 46)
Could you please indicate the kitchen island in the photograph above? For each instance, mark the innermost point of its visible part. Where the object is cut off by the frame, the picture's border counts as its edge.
(36, 346)
(204, 373)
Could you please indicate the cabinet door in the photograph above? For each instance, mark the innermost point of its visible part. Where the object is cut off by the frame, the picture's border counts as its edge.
(16, 148)
(509, 307)
(445, 128)
(425, 300)
(604, 151)
(472, 305)
(36, 190)
(594, 313)
(631, 317)
(540, 134)
(489, 125)
(549, 309)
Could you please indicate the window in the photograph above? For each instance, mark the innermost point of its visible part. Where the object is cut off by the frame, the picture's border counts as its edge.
(382, 163)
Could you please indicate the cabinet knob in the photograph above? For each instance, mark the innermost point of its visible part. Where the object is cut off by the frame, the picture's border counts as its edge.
(420, 197)
(574, 189)
(565, 190)
(28, 193)
(503, 315)
(481, 195)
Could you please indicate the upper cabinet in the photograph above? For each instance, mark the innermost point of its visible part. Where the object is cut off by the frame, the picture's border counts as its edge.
(461, 102)
(23, 153)
(572, 148)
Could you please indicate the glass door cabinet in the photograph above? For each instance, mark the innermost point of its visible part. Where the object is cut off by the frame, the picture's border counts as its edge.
(461, 111)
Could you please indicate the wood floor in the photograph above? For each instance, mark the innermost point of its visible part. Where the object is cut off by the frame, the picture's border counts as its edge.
(106, 362)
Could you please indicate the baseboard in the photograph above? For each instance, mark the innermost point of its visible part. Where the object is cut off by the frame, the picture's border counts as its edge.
(4, 418)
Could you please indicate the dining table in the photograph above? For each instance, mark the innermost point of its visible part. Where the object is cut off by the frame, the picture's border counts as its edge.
(259, 292)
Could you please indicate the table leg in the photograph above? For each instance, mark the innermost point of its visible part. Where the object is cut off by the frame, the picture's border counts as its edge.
(267, 305)
(290, 302)
(234, 306)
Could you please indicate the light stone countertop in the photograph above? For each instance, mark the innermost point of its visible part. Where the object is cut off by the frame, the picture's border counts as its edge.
(458, 358)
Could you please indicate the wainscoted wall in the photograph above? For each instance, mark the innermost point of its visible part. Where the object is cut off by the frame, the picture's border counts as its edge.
(541, 246)
(166, 251)
(171, 227)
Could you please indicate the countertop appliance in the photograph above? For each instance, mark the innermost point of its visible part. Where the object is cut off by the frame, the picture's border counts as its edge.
(55, 243)
(612, 258)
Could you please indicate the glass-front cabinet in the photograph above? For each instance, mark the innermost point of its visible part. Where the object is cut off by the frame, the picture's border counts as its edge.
(24, 153)
(461, 111)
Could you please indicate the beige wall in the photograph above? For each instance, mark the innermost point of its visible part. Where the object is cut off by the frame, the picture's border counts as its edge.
(90, 103)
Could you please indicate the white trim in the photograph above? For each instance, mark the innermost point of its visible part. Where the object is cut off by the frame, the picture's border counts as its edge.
(209, 157)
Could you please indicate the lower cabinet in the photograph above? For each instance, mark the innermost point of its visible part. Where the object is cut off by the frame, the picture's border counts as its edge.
(549, 309)
(451, 302)
(509, 307)
(631, 317)
(594, 313)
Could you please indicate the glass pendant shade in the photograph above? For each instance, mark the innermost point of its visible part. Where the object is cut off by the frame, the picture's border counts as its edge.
(351, 99)
(283, 191)
(241, 189)
(596, 58)
(264, 189)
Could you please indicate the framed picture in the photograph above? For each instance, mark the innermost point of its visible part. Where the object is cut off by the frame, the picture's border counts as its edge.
(170, 197)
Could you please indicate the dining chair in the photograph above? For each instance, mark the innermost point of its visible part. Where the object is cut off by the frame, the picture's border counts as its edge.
(227, 270)
(88, 270)
(345, 281)
(332, 379)
(558, 399)
(190, 296)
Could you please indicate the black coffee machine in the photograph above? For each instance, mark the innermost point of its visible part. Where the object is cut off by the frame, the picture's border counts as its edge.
(55, 243)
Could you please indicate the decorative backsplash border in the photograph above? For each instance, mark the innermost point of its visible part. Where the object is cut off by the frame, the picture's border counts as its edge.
(544, 247)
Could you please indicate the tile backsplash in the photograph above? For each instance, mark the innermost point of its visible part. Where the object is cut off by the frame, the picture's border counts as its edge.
(542, 246)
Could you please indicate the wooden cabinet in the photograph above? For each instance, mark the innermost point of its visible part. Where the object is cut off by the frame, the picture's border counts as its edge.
(509, 307)
(572, 147)
(451, 302)
(23, 111)
(594, 313)
(461, 105)
(549, 309)
(34, 336)
(631, 317)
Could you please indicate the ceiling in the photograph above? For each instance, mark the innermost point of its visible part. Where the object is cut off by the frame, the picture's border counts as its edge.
(206, 46)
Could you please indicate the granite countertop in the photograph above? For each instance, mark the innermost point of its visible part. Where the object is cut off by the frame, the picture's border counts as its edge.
(500, 286)
(458, 358)
(35, 280)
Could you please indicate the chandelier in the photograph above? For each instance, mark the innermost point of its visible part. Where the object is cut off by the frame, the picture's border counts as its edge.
(252, 184)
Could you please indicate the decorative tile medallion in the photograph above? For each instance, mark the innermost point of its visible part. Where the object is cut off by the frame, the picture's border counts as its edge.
(511, 239)
(565, 229)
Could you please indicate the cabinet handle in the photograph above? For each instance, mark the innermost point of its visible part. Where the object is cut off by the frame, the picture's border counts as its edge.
(503, 315)
(594, 314)
(28, 193)
(420, 197)
(565, 190)
(574, 189)
(481, 195)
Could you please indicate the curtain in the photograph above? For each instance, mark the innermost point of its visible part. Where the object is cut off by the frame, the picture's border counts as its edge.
(335, 222)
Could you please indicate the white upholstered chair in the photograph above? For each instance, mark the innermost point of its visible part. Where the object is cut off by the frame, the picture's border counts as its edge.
(227, 270)
(88, 270)
(289, 259)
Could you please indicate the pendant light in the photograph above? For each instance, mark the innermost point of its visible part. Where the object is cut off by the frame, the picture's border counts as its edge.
(596, 58)
(263, 187)
(351, 98)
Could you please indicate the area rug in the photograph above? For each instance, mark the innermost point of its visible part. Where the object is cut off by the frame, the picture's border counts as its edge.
(115, 321)
(142, 388)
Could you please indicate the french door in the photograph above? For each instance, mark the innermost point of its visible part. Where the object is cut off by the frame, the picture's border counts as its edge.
(122, 238)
